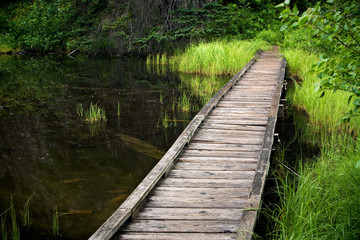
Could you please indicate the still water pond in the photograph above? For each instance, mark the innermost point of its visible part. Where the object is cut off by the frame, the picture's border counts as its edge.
(85, 171)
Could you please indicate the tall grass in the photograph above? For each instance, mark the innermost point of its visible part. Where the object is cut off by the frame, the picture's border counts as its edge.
(324, 202)
(327, 111)
(221, 57)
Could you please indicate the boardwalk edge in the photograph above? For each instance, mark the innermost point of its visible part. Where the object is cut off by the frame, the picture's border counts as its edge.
(248, 220)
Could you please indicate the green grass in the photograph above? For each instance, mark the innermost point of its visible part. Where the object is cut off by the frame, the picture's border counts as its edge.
(324, 202)
(93, 114)
(221, 57)
(326, 112)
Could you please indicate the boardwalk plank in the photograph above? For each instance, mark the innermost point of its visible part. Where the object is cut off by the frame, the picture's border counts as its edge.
(176, 236)
(197, 202)
(224, 159)
(221, 214)
(231, 166)
(182, 226)
(219, 153)
(200, 193)
(206, 182)
(212, 174)
(224, 146)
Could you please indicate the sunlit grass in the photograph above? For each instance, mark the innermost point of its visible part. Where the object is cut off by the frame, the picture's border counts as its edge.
(327, 111)
(220, 57)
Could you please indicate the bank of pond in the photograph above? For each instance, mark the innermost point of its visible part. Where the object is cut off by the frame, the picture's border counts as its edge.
(78, 135)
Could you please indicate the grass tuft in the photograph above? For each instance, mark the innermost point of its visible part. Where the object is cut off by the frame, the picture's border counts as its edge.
(93, 114)
(220, 57)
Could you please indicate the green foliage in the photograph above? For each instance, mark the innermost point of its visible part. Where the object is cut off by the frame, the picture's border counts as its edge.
(271, 36)
(336, 25)
(43, 25)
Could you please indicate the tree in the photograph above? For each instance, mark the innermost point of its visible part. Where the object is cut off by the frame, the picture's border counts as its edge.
(335, 23)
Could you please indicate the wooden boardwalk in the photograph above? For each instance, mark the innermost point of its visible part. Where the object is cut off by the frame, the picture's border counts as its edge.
(209, 184)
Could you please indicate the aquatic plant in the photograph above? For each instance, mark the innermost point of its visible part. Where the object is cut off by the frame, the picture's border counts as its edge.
(56, 225)
(161, 98)
(4, 230)
(15, 230)
(25, 213)
(93, 114)
(118, 109)
(165, 120)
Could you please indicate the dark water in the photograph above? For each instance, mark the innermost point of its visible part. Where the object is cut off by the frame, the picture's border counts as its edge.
(83, 171)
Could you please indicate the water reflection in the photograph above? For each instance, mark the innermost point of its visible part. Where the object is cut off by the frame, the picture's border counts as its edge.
(84, 171)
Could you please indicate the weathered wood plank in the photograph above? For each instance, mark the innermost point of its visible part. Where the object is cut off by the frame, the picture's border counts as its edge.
(206, 182)
(220, 153)
(182, 226)
(176, 236)
(216, 132)
(224, 146)
(217, 166)
(197, 202)
(200, 192)
(221, 214)
(241, 127)
(212, 174)
(223, 159)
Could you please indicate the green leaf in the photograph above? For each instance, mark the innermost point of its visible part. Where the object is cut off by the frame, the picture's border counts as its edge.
(287, 2)
(357, 166)
(280, 5)
(357, 102)
(283, 27)
(349, 100)
(303, 19)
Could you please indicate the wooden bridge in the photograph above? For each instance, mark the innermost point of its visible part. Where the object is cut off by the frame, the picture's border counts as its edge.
(209, 183)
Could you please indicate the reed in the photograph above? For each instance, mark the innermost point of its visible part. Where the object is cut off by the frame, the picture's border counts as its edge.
(93, 114)
(15, 230)
(25, 213)
(4, 231)
(118, 109)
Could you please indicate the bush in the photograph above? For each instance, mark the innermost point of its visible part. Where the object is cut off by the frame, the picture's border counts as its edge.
(271, 36)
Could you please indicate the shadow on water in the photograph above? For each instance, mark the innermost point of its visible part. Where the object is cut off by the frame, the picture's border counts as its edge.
(83, 171)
